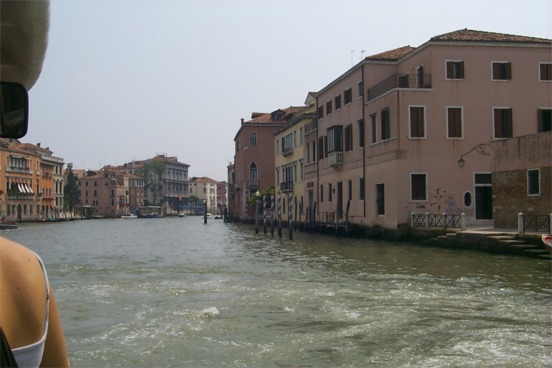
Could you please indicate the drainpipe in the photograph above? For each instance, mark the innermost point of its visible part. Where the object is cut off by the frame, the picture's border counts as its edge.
(364, 140)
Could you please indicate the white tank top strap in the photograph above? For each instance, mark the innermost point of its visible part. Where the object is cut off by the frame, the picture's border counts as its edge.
(31, 355)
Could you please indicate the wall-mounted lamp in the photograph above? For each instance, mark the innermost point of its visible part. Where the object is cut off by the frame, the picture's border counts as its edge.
(481, 148)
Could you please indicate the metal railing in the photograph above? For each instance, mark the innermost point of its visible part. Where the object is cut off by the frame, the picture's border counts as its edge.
(399, 81)
(441, 221)
(537, 223)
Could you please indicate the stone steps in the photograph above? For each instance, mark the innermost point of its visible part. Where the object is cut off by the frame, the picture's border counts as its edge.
(492, 241)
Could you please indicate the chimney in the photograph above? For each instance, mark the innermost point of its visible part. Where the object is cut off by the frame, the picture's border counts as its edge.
(38, 144)
(242, 120)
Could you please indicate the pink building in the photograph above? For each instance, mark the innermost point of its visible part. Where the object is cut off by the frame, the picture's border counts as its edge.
(409, 130)
(253, 167)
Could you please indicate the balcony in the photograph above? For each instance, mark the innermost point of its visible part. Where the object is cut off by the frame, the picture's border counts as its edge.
(253, 184)
(335, 158)
(399, 81)
(286, 186)
(287, 151)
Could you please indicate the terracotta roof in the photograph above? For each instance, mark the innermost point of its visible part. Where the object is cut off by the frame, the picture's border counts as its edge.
(267, 118)
(391, 55)
(469, 35)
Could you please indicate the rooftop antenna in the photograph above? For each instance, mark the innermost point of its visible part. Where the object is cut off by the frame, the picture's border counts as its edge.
(362, 54)
(352, 52)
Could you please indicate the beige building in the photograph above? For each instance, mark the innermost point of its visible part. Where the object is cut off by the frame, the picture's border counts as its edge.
(409, 130)
(206, 190)
(289, 165)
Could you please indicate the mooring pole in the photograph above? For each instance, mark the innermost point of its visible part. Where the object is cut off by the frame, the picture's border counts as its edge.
(204, 212)
(264, 213)
(272, 212)
(279, 216)
(290, 219)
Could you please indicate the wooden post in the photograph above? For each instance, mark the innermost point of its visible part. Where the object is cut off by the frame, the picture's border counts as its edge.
(204, 212)
(272, 215)
(279, 216)
(264, 213)
(257, 205)
(290, 220)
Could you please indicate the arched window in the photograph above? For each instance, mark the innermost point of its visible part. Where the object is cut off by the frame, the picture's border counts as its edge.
(253, 171)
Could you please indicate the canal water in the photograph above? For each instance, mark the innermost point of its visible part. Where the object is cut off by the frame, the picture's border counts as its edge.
(175, 292)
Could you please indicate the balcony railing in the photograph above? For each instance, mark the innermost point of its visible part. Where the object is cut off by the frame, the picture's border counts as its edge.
(399, 81)
(286, 186)
(335, 158)
(253, 183)
(287, 151)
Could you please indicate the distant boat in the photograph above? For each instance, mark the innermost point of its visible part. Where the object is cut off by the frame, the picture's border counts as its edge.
(547, 240)
(5, 226)
(8, 223)
(129, 216)
(149, 212)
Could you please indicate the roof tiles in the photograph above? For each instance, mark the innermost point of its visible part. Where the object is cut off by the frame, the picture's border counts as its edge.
(469, 35)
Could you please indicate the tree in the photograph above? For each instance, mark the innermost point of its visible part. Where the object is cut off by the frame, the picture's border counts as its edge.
(71, 192)
(152, 172)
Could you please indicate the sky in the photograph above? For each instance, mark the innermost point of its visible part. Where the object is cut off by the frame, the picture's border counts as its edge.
(127, 80)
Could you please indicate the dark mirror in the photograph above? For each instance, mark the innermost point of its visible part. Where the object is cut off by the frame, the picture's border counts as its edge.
(14, 110)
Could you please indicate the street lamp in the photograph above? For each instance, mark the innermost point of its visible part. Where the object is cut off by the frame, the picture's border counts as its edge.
(481, 148)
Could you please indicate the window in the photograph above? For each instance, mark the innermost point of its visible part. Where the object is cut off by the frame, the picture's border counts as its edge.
(380, 199)
(320, 112)
(348, 96)
(502, 70)
(454, 122)
(361, 133)
(337, 102)
(467, 199)
(335, 139)
(360, 89)
(418, 187)
(350, 198)
(361, 189)
(533, 182)
(320, 148)
(545, 71)
(253, 171)
(330, 192)
(503, 123)
(374, 127)
(385, 124)
(252, 139)
(417, 121)
(455, 70)
(329, 107)
(349, 138)
(545, 120)
(321, 192)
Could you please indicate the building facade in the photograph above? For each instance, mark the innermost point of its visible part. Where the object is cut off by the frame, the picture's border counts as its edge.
(521, 180)
(289, 166)
(253, 166)
(409, 130)
(165, 181)
(205, 189)
(31, 182)
(103, 193)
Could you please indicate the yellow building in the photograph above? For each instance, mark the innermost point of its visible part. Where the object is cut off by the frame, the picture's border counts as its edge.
(31, 185)
(288, 163)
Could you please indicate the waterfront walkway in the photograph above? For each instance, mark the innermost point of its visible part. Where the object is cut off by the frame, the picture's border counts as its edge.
(494, 240)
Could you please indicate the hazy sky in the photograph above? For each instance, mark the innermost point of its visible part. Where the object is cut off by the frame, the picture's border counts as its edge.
(126, 80)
